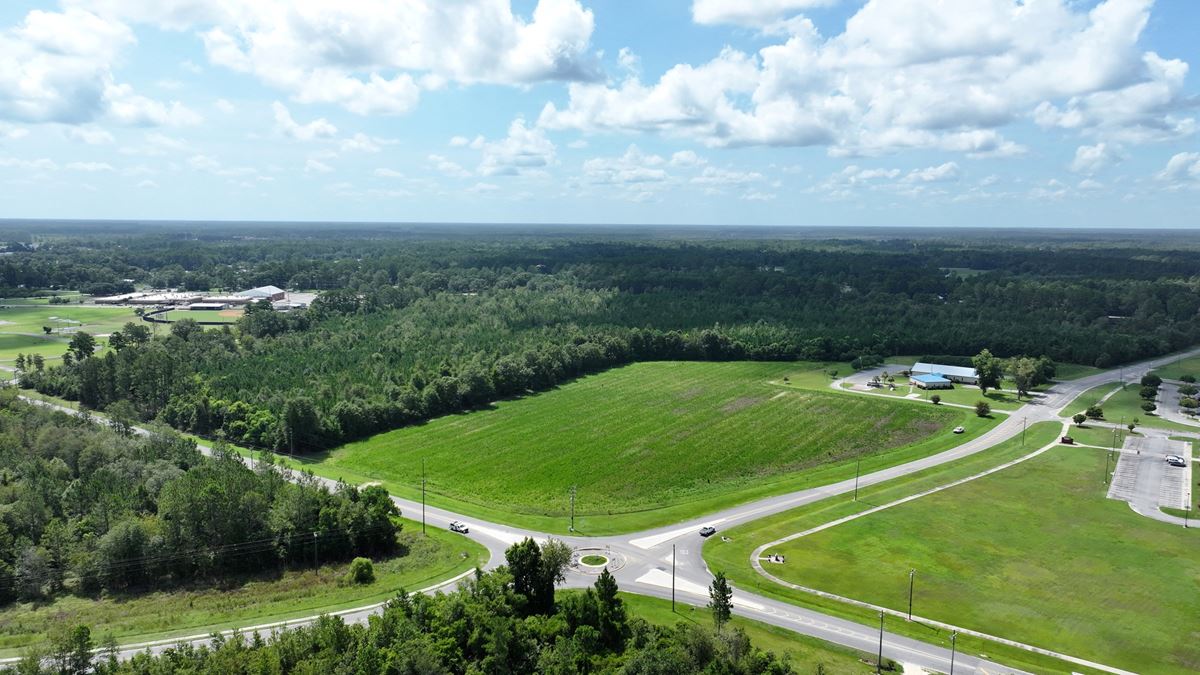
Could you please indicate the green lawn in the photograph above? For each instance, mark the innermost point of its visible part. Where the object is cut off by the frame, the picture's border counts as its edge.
(1123, 407)
(21, 328)
(1090, 434)
(999, 400)
(1035, 554)
(265, 598)
(1074, 371)
(1173, 371)
(805, 653)
(648, 444)
(227, 316)
(733, 556)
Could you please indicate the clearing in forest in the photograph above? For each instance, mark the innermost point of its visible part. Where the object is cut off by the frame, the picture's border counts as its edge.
(653, 442)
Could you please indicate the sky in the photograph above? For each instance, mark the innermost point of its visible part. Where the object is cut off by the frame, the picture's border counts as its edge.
(955, 113)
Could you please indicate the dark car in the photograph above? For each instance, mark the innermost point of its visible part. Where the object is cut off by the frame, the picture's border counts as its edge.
(708, 531)
(1068, 440)
(458, 527)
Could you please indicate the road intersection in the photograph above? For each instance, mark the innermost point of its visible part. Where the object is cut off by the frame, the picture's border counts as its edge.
(649, 556)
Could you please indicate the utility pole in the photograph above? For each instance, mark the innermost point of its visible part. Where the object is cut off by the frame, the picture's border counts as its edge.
(1024, 422)
(422, 495)
(911, 574)
(857, 466)
(1188, 512)
(953, 648)
(572, 528)
(672, 578)
(879, 660)
(314, 550)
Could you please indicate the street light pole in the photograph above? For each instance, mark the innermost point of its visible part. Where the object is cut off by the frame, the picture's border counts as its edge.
(572, 528)
(911, 575)
(1188, 512)
(422, 495)
(953, 648)
(879, 660)
(1024, 422)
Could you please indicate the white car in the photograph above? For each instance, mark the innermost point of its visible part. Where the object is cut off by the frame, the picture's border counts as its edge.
(959, 430)
(1176, 460)
(458, 527)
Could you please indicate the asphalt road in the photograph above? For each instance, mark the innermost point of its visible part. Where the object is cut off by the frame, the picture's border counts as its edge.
(645, 557)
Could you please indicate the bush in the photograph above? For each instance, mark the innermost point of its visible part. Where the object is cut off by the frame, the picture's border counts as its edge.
(1095, 412)
(983, 408)
(361, 571)
(935, 399)
(1188, 389)
(1151, 380)
(1190, 403)
(1079, 419)
(1147, 392)
(1190, 379)
(1149, 406)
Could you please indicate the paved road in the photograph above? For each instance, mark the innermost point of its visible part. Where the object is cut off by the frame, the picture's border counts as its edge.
(645, 557)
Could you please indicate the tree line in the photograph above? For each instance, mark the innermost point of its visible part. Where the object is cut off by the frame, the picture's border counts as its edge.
(86, 508)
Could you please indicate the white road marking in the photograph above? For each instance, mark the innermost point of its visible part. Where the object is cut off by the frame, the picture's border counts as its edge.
(662, 538)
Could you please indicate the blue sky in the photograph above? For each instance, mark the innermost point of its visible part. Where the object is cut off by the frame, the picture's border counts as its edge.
(792, 112)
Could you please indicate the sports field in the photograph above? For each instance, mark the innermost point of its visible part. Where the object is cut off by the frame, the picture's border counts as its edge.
(22, 329)
(1034, 553)
(649, 444)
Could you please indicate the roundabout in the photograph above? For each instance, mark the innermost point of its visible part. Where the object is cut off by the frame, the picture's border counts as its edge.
(594, 560)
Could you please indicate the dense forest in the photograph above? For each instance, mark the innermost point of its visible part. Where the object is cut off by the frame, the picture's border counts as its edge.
(495, 622)
(412, 325)
(88, 508)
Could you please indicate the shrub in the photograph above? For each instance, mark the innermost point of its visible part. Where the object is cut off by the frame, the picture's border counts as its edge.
(1147, 392)
(935, 399)
(1151, 380)
(361, 571)
(1095, 412)
(1149, 406)
(1188, 389)
(1189, 403)
(1079, 419)
(1187, 378)
(983, 408)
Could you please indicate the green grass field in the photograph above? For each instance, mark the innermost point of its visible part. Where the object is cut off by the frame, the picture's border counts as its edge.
(226, 316)
(1173, 371)
(1122, 407)
(999, 400)
(264, 599)
(733, 556)
(806, 653)
(21, 328)
(648, 444)
(1035, 554)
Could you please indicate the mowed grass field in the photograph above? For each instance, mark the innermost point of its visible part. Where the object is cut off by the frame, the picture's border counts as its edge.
(1123, 406)
(21, 328)
(648, 444)
(1034, 553)
(267, 598)
(1173, 371)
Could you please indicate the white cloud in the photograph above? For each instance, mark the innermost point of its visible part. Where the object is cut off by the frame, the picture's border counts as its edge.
(934, 174)
(1091, 159)
(43, 164)
(481, 188)
(89, 135)
(577, 144)
(388, 173)
(687, 158)
(757, 13)
(316, 166)
(758, 196)
(209, 164)
(147, 185)
(715, 176)
(448, 167)
(906, 74)
(524, 150)
(374, 56)
(1182, 167)
(634, 167)
(318, 128)
(629, 61)
(225, 106)
(459, 142)
(1090, 185)
(89, 167)
(361, 142)
(133, 109)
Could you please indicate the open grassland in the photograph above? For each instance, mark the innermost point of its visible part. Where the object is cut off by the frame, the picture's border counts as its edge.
(648, 444)
(805, 653)
(43, 298)
(1104, 437)
(1074, 371)
(1123, 406)
(266, 598)
(229, 316)
(733, 556)
(1034, 553)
